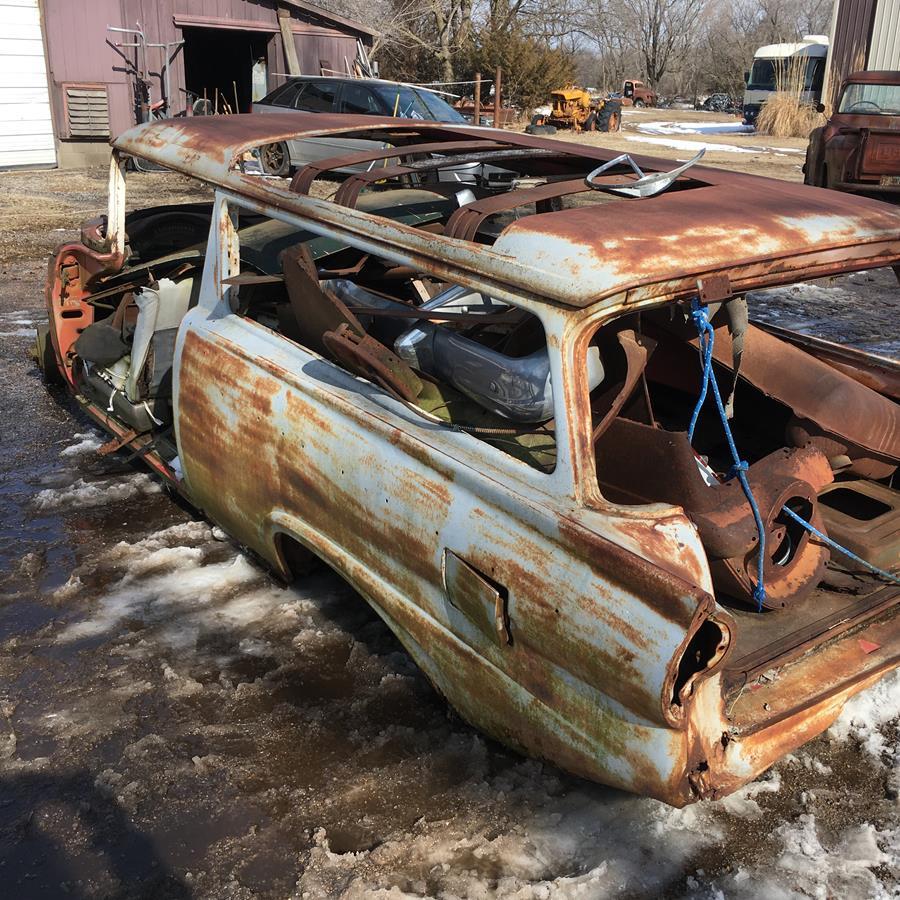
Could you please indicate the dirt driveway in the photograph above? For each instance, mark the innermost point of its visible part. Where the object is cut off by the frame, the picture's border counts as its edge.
(175, 724)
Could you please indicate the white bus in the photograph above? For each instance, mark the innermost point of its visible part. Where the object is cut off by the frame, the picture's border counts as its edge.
(772, 66)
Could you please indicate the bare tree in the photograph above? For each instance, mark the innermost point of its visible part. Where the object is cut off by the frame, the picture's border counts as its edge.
(659, 30)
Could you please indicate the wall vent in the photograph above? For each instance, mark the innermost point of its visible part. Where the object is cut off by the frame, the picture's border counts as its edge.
(86, 110)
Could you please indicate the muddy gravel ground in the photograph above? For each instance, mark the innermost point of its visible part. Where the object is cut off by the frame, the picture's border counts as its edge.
(176, 724)
(678, 134)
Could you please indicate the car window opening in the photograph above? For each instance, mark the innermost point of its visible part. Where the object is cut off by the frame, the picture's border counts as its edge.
(797, 445)
(458, 356)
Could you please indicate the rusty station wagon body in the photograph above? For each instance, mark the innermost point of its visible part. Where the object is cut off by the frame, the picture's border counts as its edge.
(473, 405)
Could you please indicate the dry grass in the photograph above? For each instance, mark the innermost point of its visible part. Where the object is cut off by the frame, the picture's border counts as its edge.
(785, 114)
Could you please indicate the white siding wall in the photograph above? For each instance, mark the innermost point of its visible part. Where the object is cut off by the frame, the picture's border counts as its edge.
(884, 51)
(26, 128)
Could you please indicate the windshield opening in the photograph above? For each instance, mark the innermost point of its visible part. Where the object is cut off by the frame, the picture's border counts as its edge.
(785, 73)
(408, 103)
(404, 102)
(871, 99)
(440, 109)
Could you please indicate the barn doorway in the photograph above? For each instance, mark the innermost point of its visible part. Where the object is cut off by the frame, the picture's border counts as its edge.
(220, 63)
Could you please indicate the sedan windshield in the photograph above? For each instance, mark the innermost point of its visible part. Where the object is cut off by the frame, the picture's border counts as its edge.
(871, 99)
(408, 103)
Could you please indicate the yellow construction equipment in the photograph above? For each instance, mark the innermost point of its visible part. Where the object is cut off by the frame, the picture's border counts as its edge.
(573, 107)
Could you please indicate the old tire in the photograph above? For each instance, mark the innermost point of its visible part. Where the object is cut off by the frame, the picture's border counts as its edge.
(540, 129)
(275, 159)
(538, 119)
(590, 123)
(45, 356)
(639, 104)
(610, 117)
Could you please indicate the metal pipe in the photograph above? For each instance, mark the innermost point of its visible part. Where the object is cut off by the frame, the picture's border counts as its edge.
(497, 98)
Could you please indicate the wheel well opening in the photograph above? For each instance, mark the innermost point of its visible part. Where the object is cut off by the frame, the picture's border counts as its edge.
(296, 559)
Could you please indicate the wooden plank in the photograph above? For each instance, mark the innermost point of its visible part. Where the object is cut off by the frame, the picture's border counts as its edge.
(287, 39)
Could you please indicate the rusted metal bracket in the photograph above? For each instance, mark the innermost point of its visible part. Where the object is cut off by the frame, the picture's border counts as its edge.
(714, 288)
(117, 443)
(369, 358)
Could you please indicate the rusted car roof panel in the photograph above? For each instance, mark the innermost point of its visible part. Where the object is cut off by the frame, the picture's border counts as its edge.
(581, 256)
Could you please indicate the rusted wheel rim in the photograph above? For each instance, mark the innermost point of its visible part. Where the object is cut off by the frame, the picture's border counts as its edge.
(615, 122)
(273, 157)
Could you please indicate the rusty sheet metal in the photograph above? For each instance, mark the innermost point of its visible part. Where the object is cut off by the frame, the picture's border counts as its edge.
(758, 230)
(773, 716)
(590, 675)
(864, 517)
(865, 423)
(876, 372)
(586, 672)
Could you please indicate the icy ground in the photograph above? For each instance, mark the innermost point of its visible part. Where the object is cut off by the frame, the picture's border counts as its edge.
(671, 130)
(695, 128)
(173, 723)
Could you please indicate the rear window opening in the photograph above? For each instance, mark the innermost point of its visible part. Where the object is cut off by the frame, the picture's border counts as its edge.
(640, 415)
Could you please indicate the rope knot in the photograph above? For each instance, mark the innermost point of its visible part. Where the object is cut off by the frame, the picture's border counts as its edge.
(740, 465)
(699, 314)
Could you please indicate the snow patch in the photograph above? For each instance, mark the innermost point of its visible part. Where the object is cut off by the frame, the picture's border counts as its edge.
(83, 494)
(86, 442)
(865, 714)
(20, 332)
(695, 128)
(168, 584)
(695, 146)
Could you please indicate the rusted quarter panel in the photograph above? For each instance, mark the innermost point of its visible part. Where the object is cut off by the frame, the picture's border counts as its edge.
(276, 442)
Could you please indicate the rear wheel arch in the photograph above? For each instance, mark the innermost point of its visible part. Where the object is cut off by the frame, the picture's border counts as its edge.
(294, 558)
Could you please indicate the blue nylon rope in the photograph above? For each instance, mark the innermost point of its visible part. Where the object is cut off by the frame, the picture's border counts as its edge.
(836, 546)
(739, 467)
(707, 336)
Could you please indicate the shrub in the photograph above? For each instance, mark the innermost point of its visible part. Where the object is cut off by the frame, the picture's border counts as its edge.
(785, 115)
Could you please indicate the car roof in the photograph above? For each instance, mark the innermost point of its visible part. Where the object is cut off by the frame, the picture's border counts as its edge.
(874, 77)
(756, 229)
(352, 78)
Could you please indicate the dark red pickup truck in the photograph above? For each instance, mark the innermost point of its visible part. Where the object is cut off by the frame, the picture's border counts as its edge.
(858, 150)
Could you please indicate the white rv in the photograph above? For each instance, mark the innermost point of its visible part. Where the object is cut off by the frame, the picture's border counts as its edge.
(773, 65)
